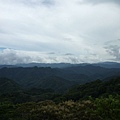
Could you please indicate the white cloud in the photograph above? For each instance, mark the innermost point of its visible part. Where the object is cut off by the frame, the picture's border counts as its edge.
(10, 56)
(60, 26)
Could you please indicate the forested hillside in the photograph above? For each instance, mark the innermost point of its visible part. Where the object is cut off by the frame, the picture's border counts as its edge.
(95, 89)
(30, 77)
(96, 100)
(84, 92)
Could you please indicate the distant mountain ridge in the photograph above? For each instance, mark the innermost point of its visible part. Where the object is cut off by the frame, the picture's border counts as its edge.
(108, 64)
(65, 65)
(37, 77)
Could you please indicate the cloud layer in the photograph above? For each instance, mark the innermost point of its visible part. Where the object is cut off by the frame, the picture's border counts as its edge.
(10, 56)
(75, 30)
(103, 1)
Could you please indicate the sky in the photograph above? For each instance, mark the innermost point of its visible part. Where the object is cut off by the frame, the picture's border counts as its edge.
(55, 31)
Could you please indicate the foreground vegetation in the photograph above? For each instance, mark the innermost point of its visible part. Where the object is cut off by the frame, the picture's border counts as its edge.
(92, 101)
(91, 109)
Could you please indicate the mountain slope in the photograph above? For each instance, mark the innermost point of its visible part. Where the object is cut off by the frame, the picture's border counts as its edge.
(94, 72)
(34, 76)
(108, 64)
(30, 77)
(8, 86)
(95, 89)
(56, 83)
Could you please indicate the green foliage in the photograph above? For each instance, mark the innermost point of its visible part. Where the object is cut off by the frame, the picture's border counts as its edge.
(6, 110)
(98, 109)
(92, 101)
(108, 108)
(95, 89)
(8, 86)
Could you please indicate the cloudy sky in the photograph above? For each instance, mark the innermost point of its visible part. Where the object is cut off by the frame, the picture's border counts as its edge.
(50, 31)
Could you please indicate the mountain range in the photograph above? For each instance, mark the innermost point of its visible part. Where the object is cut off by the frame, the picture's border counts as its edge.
(59, 77)
(64, 65)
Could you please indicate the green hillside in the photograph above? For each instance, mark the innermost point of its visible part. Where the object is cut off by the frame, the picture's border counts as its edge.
(98, 100)
(95, 89)
(8, 86)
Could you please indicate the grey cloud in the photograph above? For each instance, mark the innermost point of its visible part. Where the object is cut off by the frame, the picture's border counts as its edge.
(114, 50)
(68, 54)
(2, 48)
(68, 39)
(52, 53)
(48, 2)
(111, 42)
(103, 1)
(37, 2)
(11, 57)
(74, 60)
(3, 32)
